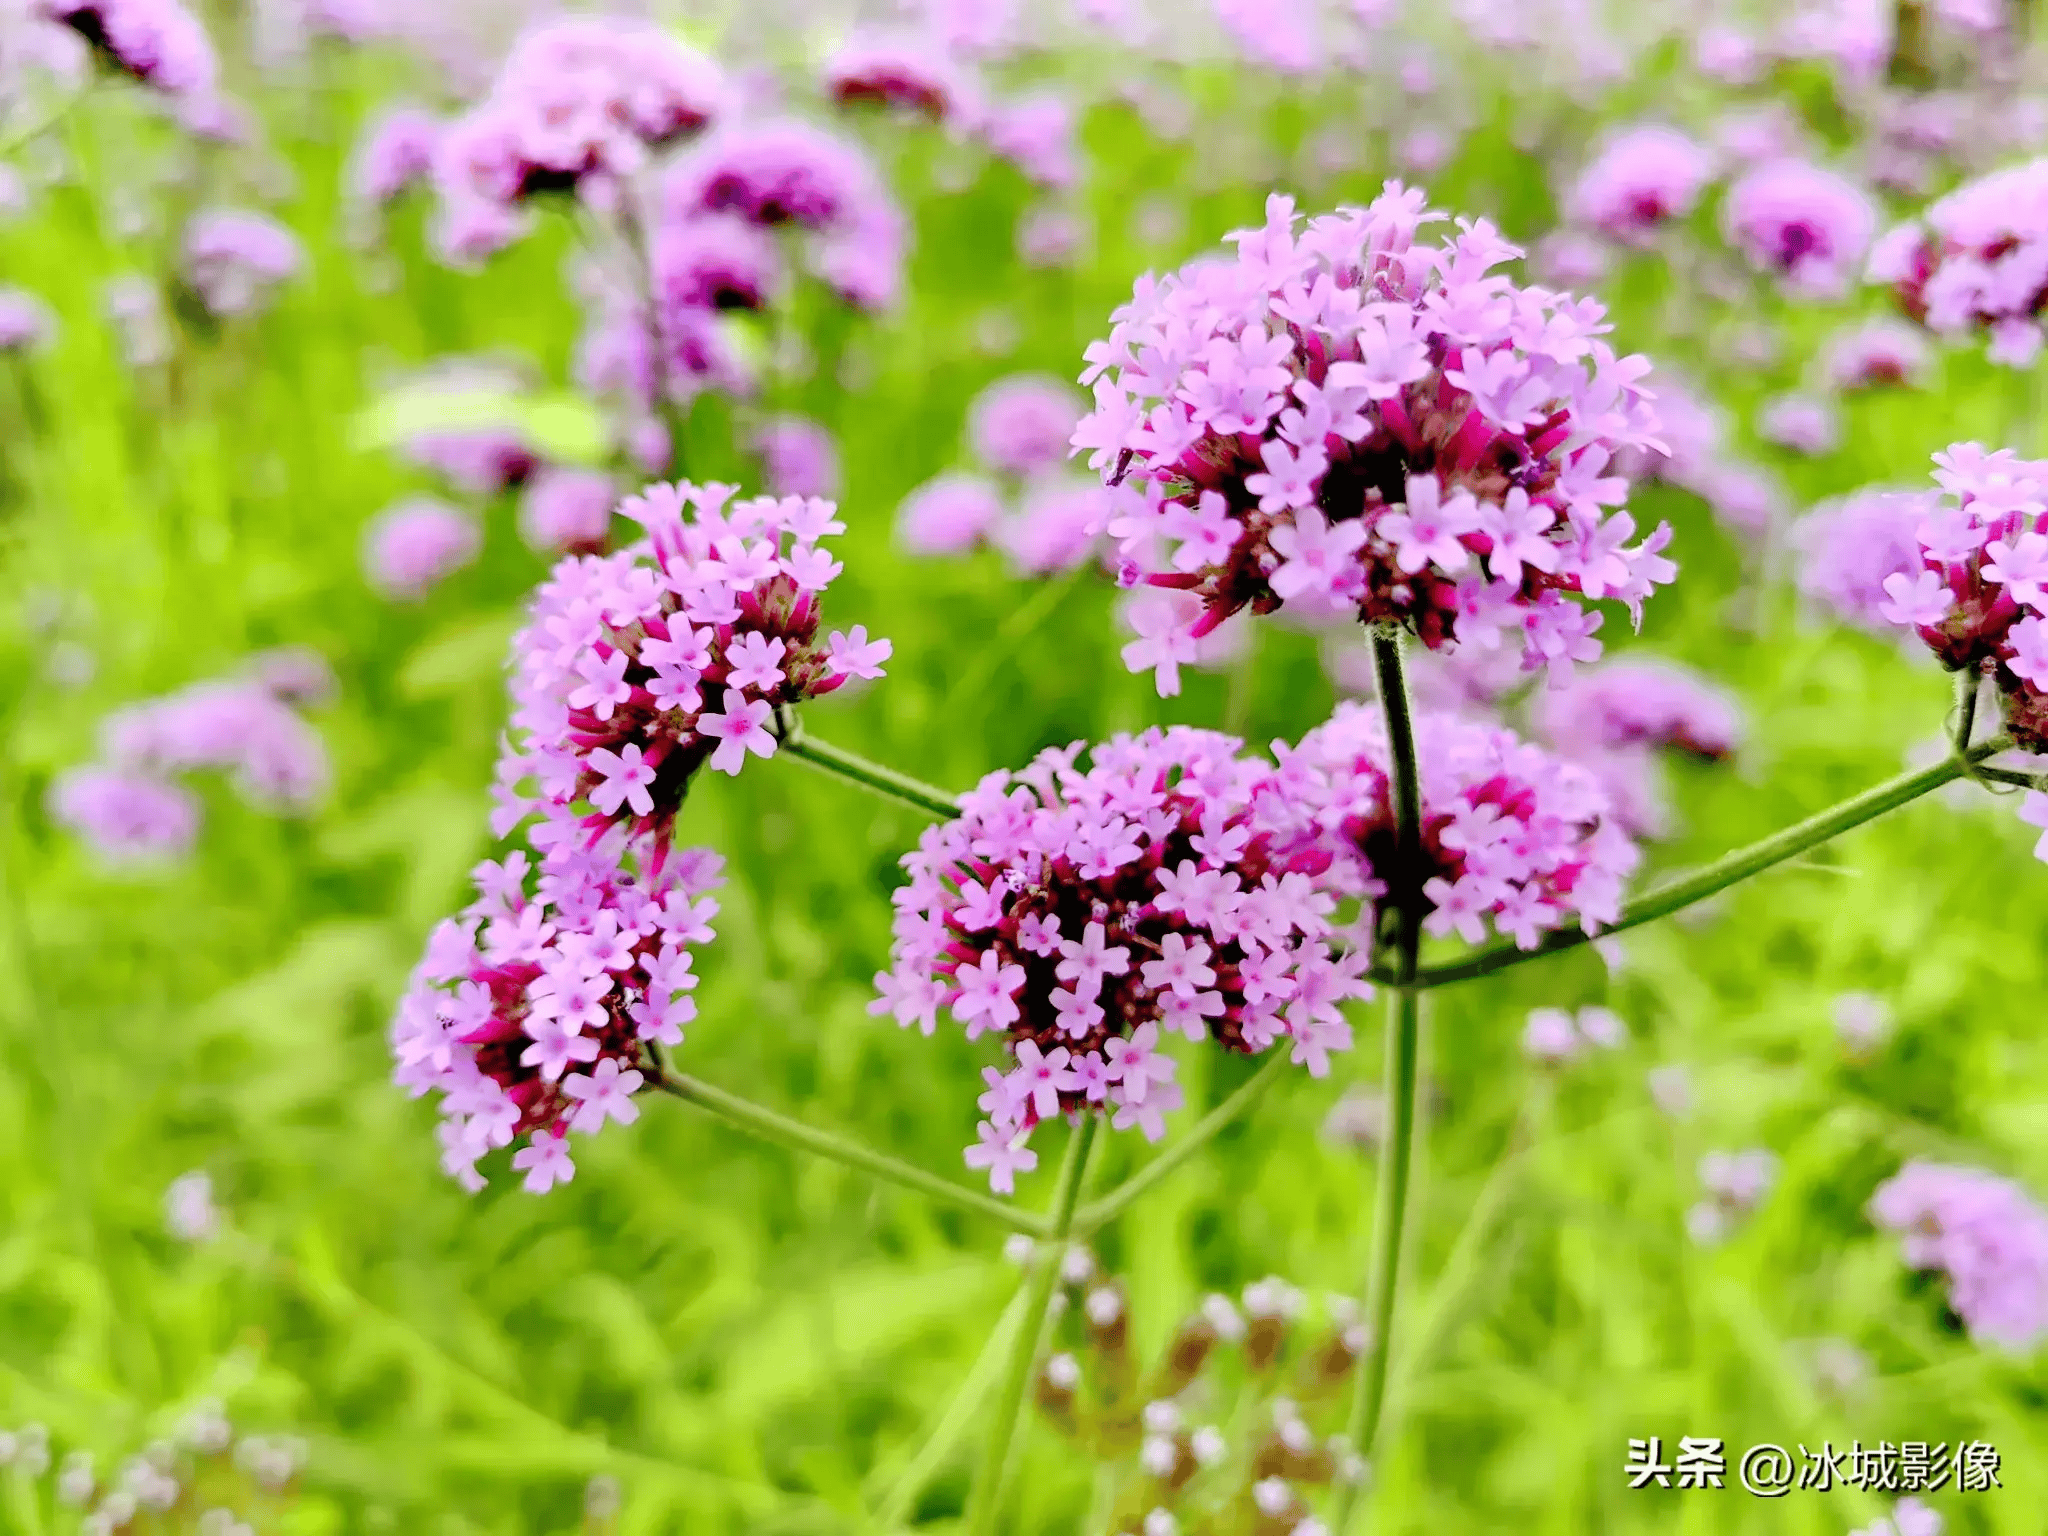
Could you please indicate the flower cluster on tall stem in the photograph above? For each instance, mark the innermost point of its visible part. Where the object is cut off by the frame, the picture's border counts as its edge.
(1344, 420)
(539, 1011)
(1083, 915)
(1977, 260)
(639, 667)
(1978, 593)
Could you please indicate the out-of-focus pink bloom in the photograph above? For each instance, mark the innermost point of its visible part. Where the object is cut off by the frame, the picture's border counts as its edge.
(412, 546)
(25, 321)
(396, 155)
(128, 816)
(798, 457)
(1977, 260)
(1020, 425)
(1057, 526)
(1803, 423)
(1877, 354)
(948, 515)
(159, 42)
(1849, 549)
(235, 259)
(567, 511)
(1985, 1235)
(901, 74)
(1642, 179)
(1804, 224)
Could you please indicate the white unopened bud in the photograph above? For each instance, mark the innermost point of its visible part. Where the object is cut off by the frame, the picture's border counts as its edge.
(1018, 1248)
(1297, 1436)
(75, 1480)
(1162, 1417)
(1078, 1267)
(1207, 1445)
(1161, 1523)
(1064, 1372)
(1158, 1456)
(1272, 1495)
(1104, 1306)
(1223, 1317)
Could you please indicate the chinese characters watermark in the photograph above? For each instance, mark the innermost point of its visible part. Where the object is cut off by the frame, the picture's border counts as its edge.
(1771, 1471)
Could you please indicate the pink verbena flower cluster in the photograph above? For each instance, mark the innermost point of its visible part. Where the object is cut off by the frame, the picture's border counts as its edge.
(1083, 914)
(902, 73)
(1849, 548)
(159, 42)
(1512, 835)
(1977, 259)
(1641, 703)
(1343, 420)
(1978, 592)
(1641, 180)
(235, 259)
(579, 100)
(415, 544)
(1805, 225)
(539, 1010)
(639, 666)
(130, 805)
(1985, 1234)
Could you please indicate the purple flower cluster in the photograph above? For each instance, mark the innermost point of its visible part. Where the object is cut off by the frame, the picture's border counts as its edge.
(1801, 223)
(1878, 354)
(1648, 703)
(480, 460)
(158, 42)
(25, 321)
(1020, 425)
(1512, 835)
(130, 807)
(1554, 1036)
(1641, 180)
(1978, 592)
(414, 545)
(578, 100)
(1082, 915)
(1849, 549)
(538, 1011)
(638, 666)
(235, 258)
(1985, 1234)
(1977, 259)
(1735, 1184)
(567, 511)
(798, 457)
(1343, 420)
(901, 74)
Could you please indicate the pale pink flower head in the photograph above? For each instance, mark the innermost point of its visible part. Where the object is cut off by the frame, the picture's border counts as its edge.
(798, 457)
(541, 1009)
(1020, 425)
(1808, 424)
(128, 816)
(158, 42)
(1977, 262)
(235, 259)
(638, 667)
(1642, 179)
(901, 74)
(1804, 224)
(1056, 527)
(1985, 1235)
(244, 724)
(1878, 354)
(1084, 916)
(949, 515)
(395, 155)
(1976, 591)
(1345, 420)
(580, 99)
(1849, 548)
(1647, 702)
(1516, 839)
(414, 545)
(567, 511)
(25, 321)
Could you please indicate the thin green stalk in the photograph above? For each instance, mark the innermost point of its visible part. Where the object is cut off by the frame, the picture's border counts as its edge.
(928, 798)
(1397, 1149)
(1099, 1213)
(759, 1120)
(1730, 869)
(1967, 688)
(992, 1477)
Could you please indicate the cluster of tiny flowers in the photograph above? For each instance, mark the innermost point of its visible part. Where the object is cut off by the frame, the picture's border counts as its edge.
(1848, 549)
(1640, 181)
(413, 545)
(158, 42)
(25, 321)
(638, 666)
(903, 74)
(1734, 1184)
(1343, 420)
(1158, 1429)
(1985, 1234)
(1512, 835)
(187, 1480)
(1647, 703)
(1878, 354)
(130, 807)
(1553, 1036)
(567, 511)
(1083, 915)
(798, 457)
(538, 1011)
(1978, 592)
(1977, 259)
(579, 99)
(1803, 224)
(234, 259)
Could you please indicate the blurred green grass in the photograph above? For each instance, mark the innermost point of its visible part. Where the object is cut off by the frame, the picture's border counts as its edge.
(743, 1338)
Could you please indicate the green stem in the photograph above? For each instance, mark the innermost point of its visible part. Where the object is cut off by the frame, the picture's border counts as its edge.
(2010, 776)
(1730, 869)
(928, 798)
(992, 1478)
(1404, 1010)
(758, 1120)
(1966, 707)
(1099, 1213)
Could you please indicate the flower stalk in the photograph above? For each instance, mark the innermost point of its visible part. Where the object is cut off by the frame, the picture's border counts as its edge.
(887, 782)
(758, 1120)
